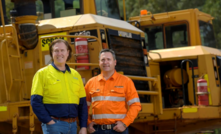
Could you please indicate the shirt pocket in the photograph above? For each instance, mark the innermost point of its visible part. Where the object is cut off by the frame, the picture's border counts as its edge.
(54, 87)
(95, 92)
(75, 87)
(96, 96)
(118, 92)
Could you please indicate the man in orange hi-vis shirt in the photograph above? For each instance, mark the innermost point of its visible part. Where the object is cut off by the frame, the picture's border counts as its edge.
(110, 94)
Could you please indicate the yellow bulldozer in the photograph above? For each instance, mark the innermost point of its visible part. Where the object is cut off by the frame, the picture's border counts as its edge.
(166, 77)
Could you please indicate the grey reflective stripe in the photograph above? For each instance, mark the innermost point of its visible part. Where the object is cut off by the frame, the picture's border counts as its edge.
(133, 101)
(109, 116)
(88, 103)
(109, 98)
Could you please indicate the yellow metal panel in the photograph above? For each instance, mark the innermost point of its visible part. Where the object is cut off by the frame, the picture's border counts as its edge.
(147, 108)
(206, 67)
(208, 88)
(89, 6)
(202, 112)
(190, 110)
(153, 69)
(57, 24)
(181, 52)
(3, 108)
(209, 112)
(168, 114)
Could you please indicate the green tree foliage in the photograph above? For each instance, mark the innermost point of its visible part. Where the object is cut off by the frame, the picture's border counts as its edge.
(158, 6)
(9, 6)
(212, 7)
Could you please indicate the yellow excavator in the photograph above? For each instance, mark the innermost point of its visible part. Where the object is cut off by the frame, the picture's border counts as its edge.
(166, 77)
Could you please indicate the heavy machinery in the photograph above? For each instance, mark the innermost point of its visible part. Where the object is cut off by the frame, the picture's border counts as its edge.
(182, 51)
(24, 50)
(168, 97)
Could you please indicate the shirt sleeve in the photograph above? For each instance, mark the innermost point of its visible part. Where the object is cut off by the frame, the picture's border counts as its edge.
(37, 99)
(82, 108)
(133, 101)
(88, 99)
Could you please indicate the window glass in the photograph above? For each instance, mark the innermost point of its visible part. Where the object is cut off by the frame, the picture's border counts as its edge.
(59, 7)
(154, 37)
(39, 9)
(207, 34)
(66, 8)
(176, 36)
(108, 8)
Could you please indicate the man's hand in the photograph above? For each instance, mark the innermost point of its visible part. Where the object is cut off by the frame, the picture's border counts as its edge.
(119, 126)
(90, 127)
(83, 130)
(51, 122)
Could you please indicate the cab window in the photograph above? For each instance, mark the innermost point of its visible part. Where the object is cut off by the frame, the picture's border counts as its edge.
(108, 8)
(207, 34)
(176, 36)
(154, 37)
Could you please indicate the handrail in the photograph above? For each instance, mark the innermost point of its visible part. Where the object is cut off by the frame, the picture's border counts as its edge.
(156, 53)
(8, 90)
(148, 92)
(142, 78)
(160, 94)
(157, 101)
(20, 64)
(3, 20)
(136, 22)
(4, 78)
(184, 97)
(69, 36)
(10, 72)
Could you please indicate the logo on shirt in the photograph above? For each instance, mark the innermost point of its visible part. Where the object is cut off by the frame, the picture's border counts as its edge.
(75, 78)
(119, 86)
(58, 80)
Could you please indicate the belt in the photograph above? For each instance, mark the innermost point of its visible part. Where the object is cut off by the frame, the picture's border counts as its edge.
(69, 120)
(104, 127)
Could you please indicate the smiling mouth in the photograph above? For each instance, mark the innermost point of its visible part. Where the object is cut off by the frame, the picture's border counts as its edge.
(59, 57)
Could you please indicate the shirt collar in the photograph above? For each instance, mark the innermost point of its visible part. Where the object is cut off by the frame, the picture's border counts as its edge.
(66, 66)
(114, 76)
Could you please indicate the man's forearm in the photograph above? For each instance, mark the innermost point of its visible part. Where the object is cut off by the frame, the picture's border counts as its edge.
(82, 112)
(39, 109)
(131, 114)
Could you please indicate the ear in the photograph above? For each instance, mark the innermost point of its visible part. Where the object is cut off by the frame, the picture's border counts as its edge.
(115, 62)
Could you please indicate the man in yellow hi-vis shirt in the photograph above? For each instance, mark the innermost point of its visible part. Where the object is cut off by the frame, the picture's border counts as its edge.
(58, 95)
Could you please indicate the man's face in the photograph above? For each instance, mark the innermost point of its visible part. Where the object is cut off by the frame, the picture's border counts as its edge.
(107, 62)
(60, 53)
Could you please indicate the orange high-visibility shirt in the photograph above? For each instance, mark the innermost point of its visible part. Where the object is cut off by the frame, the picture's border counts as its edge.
(110, 99)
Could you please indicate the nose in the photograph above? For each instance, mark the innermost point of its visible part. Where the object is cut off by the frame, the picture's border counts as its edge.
(59, 53)
(105, 61)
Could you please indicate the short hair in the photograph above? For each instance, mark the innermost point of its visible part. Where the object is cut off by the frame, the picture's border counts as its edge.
(108, 50)
(59, 41)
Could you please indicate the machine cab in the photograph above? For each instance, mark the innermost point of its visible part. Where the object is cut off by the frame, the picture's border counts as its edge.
(177, 29)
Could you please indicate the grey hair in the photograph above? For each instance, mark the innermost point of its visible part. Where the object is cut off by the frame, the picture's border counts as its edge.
(108, 50)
